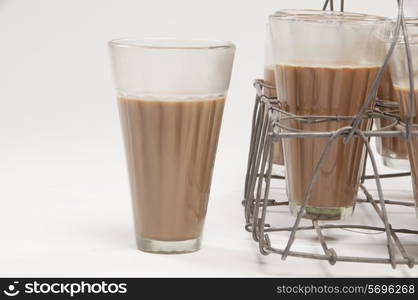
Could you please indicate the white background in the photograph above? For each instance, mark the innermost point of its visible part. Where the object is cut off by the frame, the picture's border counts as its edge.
(64, 200)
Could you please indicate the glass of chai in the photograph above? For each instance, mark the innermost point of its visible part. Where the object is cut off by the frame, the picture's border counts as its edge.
(171, 96)
(393, 150)
(270, 91)
(402, 94)
(325, 64)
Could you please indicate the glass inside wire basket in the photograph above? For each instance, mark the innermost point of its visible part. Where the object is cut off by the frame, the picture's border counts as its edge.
(393, 150)
(267, 127)
(269, 124)
(324, 68)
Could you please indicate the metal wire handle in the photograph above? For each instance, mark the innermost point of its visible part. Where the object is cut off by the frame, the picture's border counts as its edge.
(331, 3)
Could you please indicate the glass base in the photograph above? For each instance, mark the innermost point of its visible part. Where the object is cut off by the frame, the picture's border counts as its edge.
(168, 247)
(396, 163)
(322, 213)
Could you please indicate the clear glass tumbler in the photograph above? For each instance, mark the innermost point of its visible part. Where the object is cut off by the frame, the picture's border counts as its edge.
(171, 96)
(400, 76)
(325, 64)
(278, 157)
(393, 150)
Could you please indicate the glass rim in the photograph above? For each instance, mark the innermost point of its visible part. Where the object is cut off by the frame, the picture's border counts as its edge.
(171, 43)
(412, 36)
(325, 16)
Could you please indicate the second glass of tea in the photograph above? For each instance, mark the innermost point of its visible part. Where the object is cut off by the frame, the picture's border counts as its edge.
(171, 96)
(325, 64)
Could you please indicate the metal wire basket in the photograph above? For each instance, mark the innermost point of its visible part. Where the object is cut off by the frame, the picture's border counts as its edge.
(267, 128)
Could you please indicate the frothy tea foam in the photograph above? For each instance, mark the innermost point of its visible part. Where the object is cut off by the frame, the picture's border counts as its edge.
(171, 98)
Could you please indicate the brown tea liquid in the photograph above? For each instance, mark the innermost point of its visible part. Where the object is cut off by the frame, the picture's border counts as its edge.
(170, 148)
(327, 91)
(278, 157)
(402, 95)
(391, 148)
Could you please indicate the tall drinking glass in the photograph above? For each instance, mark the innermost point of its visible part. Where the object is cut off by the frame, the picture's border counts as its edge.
(393, 150)
(171, 96)
(400, 75)
(270, 91)
(325, 64)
